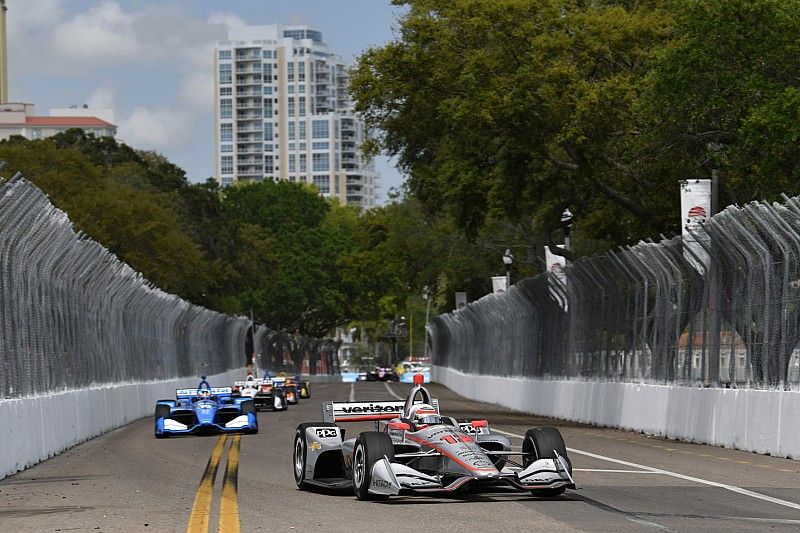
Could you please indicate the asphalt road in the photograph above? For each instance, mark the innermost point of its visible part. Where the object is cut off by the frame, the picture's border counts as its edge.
(127, 480)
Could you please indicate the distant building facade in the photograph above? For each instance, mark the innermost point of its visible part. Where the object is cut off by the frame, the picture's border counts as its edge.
(21, 119)
(283, 112)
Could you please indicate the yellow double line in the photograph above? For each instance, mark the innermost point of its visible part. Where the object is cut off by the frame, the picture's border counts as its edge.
(229, 504)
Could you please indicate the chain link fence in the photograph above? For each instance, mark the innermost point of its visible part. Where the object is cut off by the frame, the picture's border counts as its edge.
(73, 315)
(721, 308)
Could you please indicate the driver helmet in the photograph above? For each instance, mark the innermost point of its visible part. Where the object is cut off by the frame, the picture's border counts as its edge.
(423, 415)
(204, 393)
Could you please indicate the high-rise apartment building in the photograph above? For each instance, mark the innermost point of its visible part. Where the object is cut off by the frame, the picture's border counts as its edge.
(283, 112)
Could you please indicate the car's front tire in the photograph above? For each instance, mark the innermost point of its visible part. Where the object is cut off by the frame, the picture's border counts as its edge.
(300, 453)
(249, 406)
(161, 411)
(542, 443)
(371, 447)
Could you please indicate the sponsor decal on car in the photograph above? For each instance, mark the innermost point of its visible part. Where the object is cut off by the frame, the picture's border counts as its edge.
(372, 408)
(315, 445)
(327, 433)
(381, 483)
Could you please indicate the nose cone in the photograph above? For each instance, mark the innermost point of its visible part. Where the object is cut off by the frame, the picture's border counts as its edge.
(205, 412)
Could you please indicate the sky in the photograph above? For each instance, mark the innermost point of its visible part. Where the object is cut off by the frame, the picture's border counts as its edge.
(152, 61)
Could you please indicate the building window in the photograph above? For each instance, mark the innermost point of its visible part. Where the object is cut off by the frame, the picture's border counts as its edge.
(226, 132)
(302, 147)
(320, 162)
(301, 71)
(227, 181)
(323, 183)
(290, 109)
(224, 54)
(267, 90)
(266, 54)
(267, 107)
(225, 91)
(267, 147)
(291, 164)
(268, 164)
(301, 88)
(302, 135)
(226, 148)
(319, 129)
(268, 131)
(290, 89)
(319, 145)
(224, 73)
(291, 131)
(225, 108)
(226, 165)
(302, 162)
(301, 104)
(36, 133)
(290, 71)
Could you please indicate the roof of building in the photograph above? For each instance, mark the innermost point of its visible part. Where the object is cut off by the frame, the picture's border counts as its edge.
(67, 121)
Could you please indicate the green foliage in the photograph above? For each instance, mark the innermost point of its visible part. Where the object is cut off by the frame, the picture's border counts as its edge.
(517, 107)
(724, 95)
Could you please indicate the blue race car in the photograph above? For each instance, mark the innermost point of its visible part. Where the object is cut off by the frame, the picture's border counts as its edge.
(205, 410)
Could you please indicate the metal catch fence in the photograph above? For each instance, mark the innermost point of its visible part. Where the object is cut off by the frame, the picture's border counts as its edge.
(720, 308)
(73, 315)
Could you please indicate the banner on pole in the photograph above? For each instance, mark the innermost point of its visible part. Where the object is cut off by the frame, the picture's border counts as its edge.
(557, 276)
(695, 211)
(499, 284)
(461, 300)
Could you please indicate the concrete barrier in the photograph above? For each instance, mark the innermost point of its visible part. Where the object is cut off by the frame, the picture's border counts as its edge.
(763, 421)
(35, 428)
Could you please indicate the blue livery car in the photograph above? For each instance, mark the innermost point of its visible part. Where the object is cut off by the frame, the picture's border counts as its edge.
(205, 410)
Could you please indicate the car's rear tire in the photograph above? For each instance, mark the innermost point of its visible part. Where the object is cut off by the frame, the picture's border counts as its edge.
(278, 395)
(371, 447)
(161, 411)
(542, 443)
(300, 452)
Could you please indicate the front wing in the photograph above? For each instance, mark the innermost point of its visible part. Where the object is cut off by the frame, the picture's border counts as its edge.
(394, 478)
(243, 423)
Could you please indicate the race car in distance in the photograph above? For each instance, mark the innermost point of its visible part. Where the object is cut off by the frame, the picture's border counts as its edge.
(262, 392)
(286, 385)
(303, 387)
(419, 451)
(380, 374)
(205, 410)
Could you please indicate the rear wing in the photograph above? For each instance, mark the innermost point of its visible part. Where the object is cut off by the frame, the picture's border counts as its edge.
(185, 394)
(253, 382)
(365, 411)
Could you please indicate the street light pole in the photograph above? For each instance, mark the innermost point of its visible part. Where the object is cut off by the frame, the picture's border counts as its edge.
(508, 259)
(566, 222)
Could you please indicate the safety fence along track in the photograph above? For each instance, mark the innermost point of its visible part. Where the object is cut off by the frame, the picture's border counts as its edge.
(72, 315)
(720, 308)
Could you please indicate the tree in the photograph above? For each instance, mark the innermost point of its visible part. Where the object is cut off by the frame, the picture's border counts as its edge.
(724, 96)
(519, 108)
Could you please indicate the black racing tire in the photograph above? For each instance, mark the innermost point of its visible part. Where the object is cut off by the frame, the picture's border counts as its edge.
(541, 443)
(161, 410)
(284, 403)
(249, 406)
(300, 450)
(371, 447)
